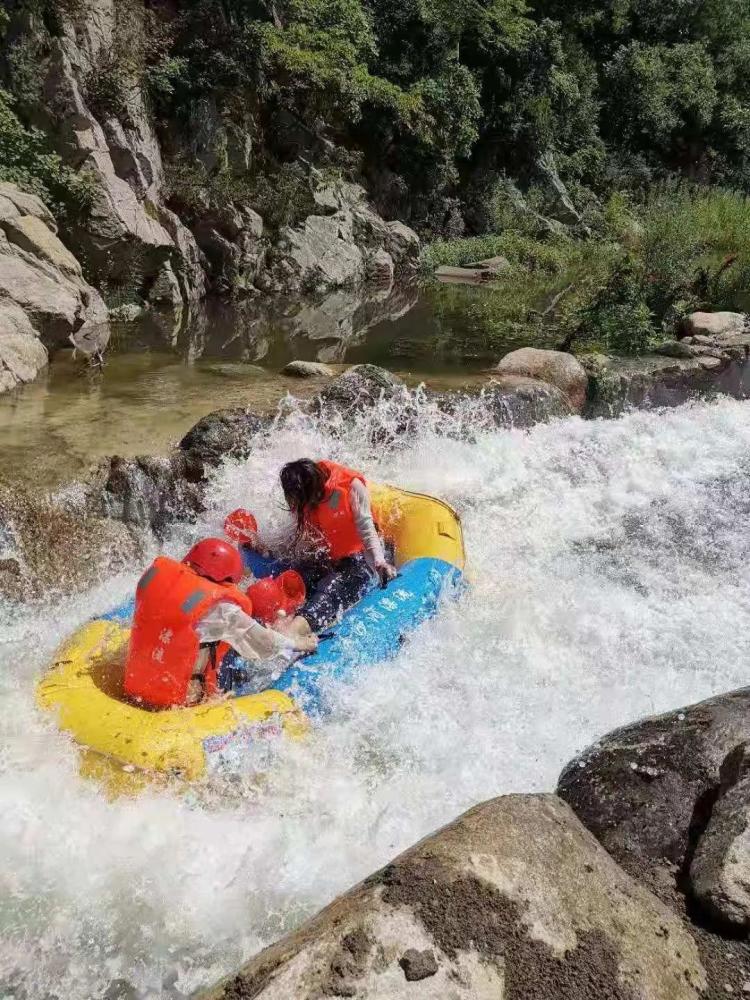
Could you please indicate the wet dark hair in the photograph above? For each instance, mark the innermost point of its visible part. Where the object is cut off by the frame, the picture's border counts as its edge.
(303, 483)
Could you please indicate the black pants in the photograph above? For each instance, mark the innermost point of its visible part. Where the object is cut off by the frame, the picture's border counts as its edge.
(341, 587)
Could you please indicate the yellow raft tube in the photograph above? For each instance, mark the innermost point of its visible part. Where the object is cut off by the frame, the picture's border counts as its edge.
(127, 747)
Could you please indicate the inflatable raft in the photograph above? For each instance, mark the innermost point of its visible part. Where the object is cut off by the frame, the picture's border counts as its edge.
(127, 747)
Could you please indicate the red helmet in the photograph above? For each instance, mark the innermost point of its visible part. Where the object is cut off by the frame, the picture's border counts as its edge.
(240, 526)
(285, 593)
(217, 560)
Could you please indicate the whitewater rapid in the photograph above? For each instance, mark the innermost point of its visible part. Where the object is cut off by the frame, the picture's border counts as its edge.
(609, 579)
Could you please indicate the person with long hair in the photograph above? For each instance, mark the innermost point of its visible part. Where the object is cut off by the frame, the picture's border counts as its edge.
(334, 514)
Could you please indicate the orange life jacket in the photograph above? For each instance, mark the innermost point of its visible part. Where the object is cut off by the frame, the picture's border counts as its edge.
(164, 647)
(333, 517)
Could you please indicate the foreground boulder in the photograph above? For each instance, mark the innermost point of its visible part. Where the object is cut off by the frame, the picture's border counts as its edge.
(44, 549)
(45, 303)
(553, 367)
(513, 901)
(646, 791)
(512, 401)
(720, 872)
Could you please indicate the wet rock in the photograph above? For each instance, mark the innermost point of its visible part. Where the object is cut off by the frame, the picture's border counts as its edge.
(511, 401)
(307, 369)
(45, 549)
(646, 791)
(358, 388)
(553, 367)
(652, 381)
(720, 872)
(223, 434)
(150, 492)
(513, 900)
(418, 965)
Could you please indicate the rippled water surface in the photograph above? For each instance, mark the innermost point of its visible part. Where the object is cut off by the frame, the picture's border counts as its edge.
(610, 578)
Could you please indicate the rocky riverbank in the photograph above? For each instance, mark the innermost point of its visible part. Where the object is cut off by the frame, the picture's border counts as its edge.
(518, 900)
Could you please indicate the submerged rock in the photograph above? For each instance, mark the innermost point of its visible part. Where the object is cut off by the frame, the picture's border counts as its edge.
(512, 900)
(553, 367)
(45, 549)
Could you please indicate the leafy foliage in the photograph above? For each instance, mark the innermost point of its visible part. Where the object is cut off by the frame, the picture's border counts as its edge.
(26, 159)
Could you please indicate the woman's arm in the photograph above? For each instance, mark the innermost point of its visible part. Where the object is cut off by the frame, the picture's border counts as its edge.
(226, 622)
(359, 498)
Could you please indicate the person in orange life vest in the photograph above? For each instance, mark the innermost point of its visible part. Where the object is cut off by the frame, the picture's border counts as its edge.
(333, 509)
(188, 617)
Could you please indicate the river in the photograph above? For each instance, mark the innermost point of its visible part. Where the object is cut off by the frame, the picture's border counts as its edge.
(610, 578)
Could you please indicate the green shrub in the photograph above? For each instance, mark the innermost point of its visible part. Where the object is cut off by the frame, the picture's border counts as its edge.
(26, 159)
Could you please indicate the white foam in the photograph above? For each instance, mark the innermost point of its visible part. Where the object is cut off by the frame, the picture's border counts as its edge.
(610, 579)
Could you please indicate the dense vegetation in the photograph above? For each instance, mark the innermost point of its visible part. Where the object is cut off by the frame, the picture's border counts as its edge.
(599, 144)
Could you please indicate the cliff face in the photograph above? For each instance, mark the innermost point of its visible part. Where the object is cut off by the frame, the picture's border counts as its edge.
(87, 93)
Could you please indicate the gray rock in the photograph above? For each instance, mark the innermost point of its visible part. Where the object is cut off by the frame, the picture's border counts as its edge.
(223, 434)
(513, 899)
(511, 401)
(22, 354)
(720, 872)
(675, 349)
(307, 369)
(45, 302)
(645, 790)
(151, 492)
(128, 313)
(554, 367)
(715, 324)
(358, 388)
(652, 381)
(128, 221)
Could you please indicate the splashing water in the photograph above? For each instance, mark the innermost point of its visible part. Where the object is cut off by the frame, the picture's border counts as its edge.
(610, 579)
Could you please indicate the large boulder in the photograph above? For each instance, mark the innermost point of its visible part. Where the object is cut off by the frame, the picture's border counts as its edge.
(720, 871)
(513, 900)
(44, 301)
(717, 324)
(554, 367)
(45, 549)
(646, 791)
